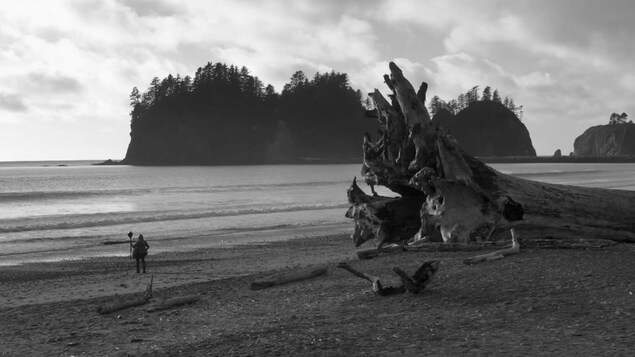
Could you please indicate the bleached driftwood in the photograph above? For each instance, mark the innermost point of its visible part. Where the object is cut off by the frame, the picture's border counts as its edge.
(499, 254)
(290, 276)
(128, 302)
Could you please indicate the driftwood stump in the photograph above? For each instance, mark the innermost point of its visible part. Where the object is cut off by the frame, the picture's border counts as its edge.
(445, 194)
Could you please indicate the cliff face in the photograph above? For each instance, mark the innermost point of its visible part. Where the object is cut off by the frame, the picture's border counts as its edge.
(487, 128)
(606, 141)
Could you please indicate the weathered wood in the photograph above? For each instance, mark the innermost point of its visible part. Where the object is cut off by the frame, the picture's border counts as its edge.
(121, 305)
(499, 254)
(173, 302)
(413, 284)
(581, 243)
(377, 288)
(128, 302)
(288, 277)
(447, 193)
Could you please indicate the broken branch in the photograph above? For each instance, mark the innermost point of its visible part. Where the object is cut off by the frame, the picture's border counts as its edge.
(499, 254)
(413, 284)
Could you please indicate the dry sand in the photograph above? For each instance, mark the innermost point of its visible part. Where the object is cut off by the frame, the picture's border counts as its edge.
(554, 302)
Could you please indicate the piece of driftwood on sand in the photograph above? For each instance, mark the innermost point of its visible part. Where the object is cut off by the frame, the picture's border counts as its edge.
(499, 254)
(289, 276)
(173, 302)
(447, 195)
(414, 283)
(128, 302)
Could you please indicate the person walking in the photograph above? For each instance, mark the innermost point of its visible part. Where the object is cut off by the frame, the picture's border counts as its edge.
(139, 252)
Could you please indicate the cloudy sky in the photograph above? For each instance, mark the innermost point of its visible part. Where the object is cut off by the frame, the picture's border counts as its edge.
(67, 66)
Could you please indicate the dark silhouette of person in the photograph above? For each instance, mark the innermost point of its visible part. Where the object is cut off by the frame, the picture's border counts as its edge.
(139, 252)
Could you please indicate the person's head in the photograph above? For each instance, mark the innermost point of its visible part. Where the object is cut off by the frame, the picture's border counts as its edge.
(140, 236)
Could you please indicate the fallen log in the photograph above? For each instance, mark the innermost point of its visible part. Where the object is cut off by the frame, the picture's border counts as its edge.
(413, 284)
(127, 302)
(425, 247)
(287, 277)
(499, 254)
(121, 305)
(174, 302)
(555, 243)
(447, 195)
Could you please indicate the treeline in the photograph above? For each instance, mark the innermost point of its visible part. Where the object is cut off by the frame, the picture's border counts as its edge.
(619, 119)
(226, 115)
(454, 106)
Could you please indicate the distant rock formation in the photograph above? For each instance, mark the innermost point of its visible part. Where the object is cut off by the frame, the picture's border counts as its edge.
(487, 128)
(558, 153)
(612, 140)
(226, 116)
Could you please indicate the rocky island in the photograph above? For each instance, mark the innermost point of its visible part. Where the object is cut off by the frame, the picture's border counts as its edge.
(607, 141)
(487, 128)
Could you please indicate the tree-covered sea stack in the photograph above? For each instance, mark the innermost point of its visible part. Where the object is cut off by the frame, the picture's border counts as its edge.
(226, 115)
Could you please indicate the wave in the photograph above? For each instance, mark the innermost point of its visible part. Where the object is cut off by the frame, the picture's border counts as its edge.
(75, 194)
(57, 195)
(98, 220)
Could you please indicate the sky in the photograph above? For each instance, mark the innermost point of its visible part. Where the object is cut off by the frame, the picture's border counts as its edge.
(67, 67)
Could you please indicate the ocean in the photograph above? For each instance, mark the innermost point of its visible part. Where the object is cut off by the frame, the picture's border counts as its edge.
(67, 210)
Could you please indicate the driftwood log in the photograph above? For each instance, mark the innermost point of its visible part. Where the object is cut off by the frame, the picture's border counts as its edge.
(289, 276)
(447, 195)
(173, 302)
(499, 254)
(127, 302)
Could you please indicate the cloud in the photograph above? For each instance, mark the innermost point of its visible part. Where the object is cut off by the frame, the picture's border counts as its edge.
(534, 79)
(53, 83)
(12, 103)
(151, 8)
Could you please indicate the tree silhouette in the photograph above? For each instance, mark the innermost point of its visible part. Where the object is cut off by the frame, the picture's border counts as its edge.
(496, 97)
(487, 94)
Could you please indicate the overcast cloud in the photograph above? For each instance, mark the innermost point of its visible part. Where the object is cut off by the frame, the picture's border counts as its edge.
(67, 67)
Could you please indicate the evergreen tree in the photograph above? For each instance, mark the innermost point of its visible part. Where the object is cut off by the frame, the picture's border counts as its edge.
(496, 97)
(135, 97)
(471, 96)
(487, 94)
(462, 103)
(511, 105)
(436, 104)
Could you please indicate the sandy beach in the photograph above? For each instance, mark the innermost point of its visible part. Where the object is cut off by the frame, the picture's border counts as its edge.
(555, 302)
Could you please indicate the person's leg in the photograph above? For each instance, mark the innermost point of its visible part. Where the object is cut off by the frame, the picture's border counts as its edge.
(137, 264)
(143, 262)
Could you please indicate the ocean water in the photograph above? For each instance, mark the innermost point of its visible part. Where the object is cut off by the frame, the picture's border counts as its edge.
(64, 210)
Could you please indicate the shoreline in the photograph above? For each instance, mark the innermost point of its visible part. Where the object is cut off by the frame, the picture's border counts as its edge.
(219, 239)
(485, 159)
